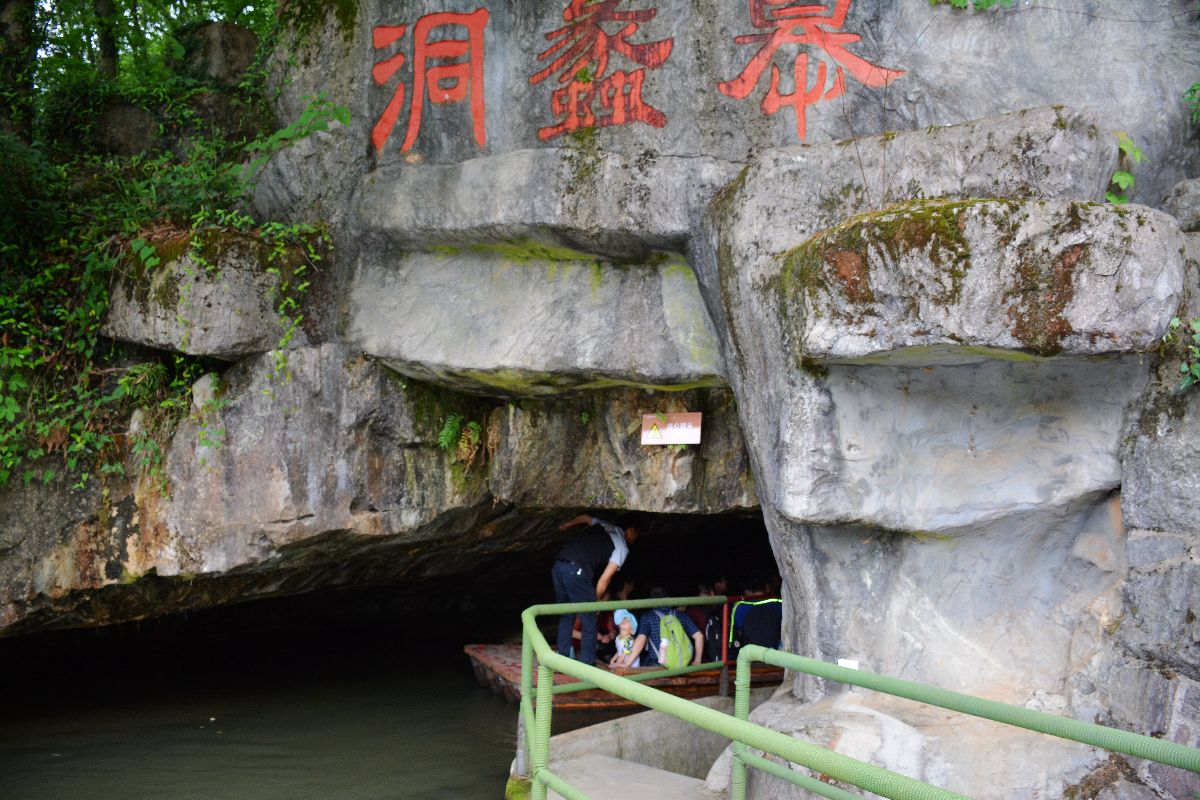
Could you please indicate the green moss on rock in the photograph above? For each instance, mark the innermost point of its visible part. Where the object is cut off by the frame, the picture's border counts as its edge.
(305, 16)
(836, 262)
(1043, 286)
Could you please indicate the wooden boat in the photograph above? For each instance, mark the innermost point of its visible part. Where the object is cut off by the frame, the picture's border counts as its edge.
(499, 666)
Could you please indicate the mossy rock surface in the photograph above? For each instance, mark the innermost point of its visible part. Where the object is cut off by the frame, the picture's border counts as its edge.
(957, 281)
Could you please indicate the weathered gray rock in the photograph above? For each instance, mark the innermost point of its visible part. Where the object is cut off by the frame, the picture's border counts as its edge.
(821, 447)
(125, 129)
(1163, 601)
(312, 449)
(619, 206)
(791, 194)
(309, 180)
(220, 52)
(949, 447)
(324, 469)
(931, 281)
(1015, 610)
(1020, 610)
(931, 745)
(1183, 202)
(522, 318)
(1129, 63)
(1124, 790)
(586, 452)
(52, 542)
(221, 306)
(1161, 483)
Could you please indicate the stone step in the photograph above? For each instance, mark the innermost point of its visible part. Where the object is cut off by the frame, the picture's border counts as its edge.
(608, 778)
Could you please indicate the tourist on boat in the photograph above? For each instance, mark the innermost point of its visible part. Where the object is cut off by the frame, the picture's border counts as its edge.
(649, 642)
(700, 614)
(602, 548)
(626, 628)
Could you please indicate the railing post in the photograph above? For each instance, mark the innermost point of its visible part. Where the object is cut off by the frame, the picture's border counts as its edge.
(522, 765)
(741, 710)
(540, 757)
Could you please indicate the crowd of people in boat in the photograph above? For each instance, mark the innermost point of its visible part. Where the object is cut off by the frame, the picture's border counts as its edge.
(662, 636)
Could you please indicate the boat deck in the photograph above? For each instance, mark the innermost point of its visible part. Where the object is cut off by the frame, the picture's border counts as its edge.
(499, 666)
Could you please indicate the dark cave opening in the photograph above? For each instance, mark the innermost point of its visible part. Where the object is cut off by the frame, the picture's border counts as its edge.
(433, 615)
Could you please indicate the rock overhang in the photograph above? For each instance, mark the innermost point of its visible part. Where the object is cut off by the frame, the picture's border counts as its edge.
(521, 318)
(977, 279)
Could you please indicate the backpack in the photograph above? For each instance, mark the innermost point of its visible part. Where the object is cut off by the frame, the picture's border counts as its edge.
(763, 624)
(679, 650)
(712, 638)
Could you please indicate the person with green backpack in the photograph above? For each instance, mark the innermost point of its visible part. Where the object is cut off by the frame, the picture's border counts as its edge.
(667, 638)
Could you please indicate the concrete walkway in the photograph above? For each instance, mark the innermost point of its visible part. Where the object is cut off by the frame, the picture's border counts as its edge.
(608, 778)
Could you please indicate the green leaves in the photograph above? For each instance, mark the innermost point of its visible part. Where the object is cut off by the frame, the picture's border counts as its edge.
(1192, 98)
(451, 429)
(1189, 367)
(316, 116)
(9, 408)
(1122, 179)
(145, 253)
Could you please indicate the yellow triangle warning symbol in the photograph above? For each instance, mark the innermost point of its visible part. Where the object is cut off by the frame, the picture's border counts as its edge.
(653, 433)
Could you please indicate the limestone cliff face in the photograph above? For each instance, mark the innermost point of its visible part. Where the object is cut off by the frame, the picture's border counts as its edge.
(920, 338)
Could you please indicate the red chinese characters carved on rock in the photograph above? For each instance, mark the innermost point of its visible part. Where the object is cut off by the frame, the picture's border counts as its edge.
(785, 22)
(448, 70)
(579, 54)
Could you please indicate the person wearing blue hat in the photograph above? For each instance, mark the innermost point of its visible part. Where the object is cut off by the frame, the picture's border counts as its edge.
(626, 628)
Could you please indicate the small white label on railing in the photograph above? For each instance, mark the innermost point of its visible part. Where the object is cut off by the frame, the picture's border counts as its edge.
(848, 663)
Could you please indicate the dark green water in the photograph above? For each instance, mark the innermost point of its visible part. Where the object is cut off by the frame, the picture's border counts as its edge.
(365, 723)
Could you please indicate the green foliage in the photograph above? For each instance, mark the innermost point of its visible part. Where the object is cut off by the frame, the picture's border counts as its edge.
(463, 438)
(1122, 178)
(1189, 367)
(1192, 98)
(70, 219)
(29, 198)
(318, 113)
(977, 5)
(451, 430)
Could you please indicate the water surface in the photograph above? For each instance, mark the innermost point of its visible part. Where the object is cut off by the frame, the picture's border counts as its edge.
(366, 722)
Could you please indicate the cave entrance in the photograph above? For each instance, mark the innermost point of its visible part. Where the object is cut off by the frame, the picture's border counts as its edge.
(424, 613)
(361, 688)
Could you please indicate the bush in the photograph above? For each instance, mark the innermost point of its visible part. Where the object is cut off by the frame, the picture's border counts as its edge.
(29, 199)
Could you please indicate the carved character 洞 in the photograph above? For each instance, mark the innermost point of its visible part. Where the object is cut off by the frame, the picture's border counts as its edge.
(590, 96)
(784, 22)
(445, 70)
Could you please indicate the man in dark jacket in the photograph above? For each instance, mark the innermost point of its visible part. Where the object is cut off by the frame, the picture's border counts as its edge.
(602, 548)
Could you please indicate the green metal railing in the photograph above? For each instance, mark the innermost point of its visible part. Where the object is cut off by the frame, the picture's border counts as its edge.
(1118, 741)
(537, 708)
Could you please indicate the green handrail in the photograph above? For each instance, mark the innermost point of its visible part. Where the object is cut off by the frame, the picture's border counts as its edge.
(537, 716)
(746, 734)
(1113, 739)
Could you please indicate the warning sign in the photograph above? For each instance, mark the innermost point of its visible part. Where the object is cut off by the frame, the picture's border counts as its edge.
(681, 428)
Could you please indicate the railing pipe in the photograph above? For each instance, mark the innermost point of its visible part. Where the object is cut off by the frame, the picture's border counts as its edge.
(798, 778)
(565, 789)
(1114, 739)
(541, 740)
(741, 711)
(639, 677)
(867, 776)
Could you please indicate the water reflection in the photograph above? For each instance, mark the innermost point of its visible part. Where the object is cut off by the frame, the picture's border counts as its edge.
(374, 723)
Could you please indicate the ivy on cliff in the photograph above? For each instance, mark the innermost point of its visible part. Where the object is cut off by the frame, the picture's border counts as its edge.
(71, 218)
